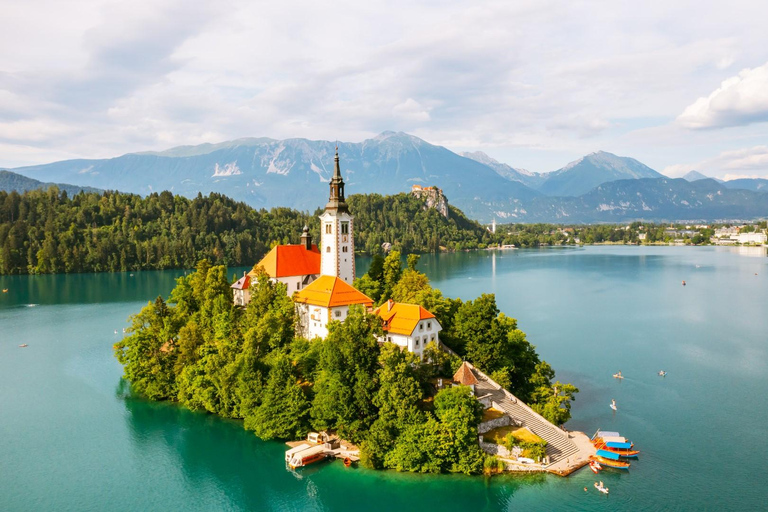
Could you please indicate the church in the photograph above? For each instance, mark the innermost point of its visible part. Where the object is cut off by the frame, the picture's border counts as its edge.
(319, 278)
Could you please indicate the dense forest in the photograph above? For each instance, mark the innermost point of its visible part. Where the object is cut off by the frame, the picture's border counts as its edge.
(198, 349)
(50, 231)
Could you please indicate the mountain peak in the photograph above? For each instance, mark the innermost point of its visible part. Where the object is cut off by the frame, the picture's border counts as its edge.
(582, 175)
(694, 176)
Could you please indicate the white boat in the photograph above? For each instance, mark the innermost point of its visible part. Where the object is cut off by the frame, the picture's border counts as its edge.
(618, 376)
(613, 405)
(600, 487)
(662, 373)
(296, 449)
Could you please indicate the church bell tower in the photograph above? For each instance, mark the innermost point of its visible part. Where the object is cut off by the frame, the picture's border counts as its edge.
(336, 232)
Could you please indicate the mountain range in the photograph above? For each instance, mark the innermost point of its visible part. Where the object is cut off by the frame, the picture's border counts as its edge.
(263, 172)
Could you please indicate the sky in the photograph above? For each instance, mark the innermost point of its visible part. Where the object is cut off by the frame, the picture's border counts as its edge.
(678, 85)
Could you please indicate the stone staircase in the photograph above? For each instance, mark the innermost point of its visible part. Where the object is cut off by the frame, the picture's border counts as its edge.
(559, 444)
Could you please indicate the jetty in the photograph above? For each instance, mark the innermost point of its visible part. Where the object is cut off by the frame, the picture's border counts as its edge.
(333, 446)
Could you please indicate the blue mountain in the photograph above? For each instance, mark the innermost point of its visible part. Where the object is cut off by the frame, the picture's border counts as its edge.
(586, 173)
(266, 172)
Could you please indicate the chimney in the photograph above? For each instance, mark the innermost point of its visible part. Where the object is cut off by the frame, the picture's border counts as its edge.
(390, 303)
(306, 239)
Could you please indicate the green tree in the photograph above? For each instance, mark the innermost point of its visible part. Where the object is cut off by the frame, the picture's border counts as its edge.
(284, 410)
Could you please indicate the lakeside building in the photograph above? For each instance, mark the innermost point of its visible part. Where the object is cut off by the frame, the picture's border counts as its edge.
(408, 325)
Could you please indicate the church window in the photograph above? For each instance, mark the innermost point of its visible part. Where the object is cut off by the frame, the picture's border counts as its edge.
(344, 249)
(328, 228)
(328, 249)
(345, 228)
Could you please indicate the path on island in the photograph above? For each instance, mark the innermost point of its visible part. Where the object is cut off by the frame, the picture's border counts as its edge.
(567, 451)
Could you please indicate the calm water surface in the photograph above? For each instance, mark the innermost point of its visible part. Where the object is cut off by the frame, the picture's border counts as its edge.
(72, 437)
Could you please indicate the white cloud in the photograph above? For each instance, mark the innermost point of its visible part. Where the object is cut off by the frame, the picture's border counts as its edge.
(740, 100)
(728, 165)
(529, 79)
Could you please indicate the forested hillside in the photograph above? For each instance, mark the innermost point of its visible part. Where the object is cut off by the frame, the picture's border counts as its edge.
(51, 231)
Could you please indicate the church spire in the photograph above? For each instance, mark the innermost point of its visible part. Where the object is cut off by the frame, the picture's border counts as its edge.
(336, 200)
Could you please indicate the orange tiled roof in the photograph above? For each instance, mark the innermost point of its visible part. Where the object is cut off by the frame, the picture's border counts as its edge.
(464, 375)
(290, 260)
(401, 318)
(330, 291)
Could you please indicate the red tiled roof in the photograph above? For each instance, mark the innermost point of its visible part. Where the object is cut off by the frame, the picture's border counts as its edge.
(243, 283)
(290, 260)
(400, 318)
(330, 291)
(464, 375)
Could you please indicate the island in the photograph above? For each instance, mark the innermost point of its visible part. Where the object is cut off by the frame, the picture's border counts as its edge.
(409, 379)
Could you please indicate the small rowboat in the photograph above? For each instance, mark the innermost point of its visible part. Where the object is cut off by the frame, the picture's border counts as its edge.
(618, 376)
(347, 461)
(595, 466)
(600, 487)
(23, 345)
(662, 373)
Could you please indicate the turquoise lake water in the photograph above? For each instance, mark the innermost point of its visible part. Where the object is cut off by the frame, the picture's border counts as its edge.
(72, 438)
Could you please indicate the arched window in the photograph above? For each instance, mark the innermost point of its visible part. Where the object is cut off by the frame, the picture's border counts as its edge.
(328, 249)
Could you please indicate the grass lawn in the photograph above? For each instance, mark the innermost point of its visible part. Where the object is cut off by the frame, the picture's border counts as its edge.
(497, 435)
(491, 414)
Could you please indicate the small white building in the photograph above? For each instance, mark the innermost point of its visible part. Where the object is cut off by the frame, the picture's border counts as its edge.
(408, 325)
(750, 238)
(242, 290)
(325, 299)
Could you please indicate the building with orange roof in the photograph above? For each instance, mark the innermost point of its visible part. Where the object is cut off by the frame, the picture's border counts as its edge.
(408, 325)
(325, 299)
(295, 265)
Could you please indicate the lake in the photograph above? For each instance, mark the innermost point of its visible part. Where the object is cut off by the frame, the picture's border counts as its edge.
(73, 438)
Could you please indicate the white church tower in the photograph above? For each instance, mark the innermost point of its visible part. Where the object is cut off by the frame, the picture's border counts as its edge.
(336, 232)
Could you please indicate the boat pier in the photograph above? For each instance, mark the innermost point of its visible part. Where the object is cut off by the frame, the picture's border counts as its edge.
(566, 451)
(333, 447)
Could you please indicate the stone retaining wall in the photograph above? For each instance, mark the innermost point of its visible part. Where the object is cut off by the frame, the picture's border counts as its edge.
(487, 426)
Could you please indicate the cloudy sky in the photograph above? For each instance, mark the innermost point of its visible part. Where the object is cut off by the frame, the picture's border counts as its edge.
(679, 85)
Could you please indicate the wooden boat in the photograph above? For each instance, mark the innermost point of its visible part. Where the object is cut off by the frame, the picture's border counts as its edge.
(683, 283)
(623, 450)
(613, 442)
(307, 457)
(347, 461)
(595, 466)
(609, 460)
(5, 290)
